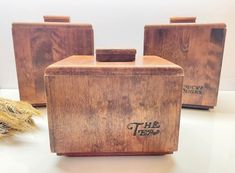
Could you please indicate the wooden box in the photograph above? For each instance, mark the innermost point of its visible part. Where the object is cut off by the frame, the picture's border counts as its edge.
(38, 45)
(198, 48)
(113, 108)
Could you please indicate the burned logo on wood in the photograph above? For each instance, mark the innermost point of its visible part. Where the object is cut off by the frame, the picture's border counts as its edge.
(144, 129)
(192, 89)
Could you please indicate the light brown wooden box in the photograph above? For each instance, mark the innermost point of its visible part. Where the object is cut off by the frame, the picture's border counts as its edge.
(93, 107)
(198, 48)
(38, 45)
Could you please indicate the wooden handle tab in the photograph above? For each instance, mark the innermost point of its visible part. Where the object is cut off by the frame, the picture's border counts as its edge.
(115, 55)
(182, 19)
(56, 18)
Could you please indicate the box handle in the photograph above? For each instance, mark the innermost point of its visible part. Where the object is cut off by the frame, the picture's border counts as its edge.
(65, 19)
(182, 19)
(115, 55)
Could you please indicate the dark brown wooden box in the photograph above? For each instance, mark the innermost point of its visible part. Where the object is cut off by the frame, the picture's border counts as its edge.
(113, 108)
(38, 45)
(198, 48)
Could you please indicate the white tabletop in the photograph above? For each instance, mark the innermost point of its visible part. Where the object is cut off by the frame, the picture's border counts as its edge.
(206, 145)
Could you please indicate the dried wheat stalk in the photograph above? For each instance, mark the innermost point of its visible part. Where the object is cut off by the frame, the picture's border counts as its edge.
(16, 116)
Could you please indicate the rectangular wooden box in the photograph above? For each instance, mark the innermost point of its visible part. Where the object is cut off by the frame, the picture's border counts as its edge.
(198, 48)
(38, 45)
(113, 108)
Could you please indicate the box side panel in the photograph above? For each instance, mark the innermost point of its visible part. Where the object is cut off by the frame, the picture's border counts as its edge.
(39, 46)
(24, 64)
(50, 115)
(199, 50)
(115, 114)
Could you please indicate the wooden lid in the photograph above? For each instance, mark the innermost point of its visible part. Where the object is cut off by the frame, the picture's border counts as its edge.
(182, 22)
(52, 25)
(184, 25)
(53, 21)
(87, 65)
(56, 19)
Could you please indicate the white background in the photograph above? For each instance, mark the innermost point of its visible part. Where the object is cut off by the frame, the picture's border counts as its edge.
(117, 24)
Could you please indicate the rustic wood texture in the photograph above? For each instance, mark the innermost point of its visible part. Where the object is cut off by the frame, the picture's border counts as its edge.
(56, 18)
(38, 45)
(115, 55)
(182, 19)
(91, 105)
(198, 48)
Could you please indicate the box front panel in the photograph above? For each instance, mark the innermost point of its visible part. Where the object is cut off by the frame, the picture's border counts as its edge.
(114, 114)
(199, 50)
(36, 47)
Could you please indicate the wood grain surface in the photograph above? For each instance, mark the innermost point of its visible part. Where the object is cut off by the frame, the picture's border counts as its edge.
(38, 45)
(198, 48)
(93, 107)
